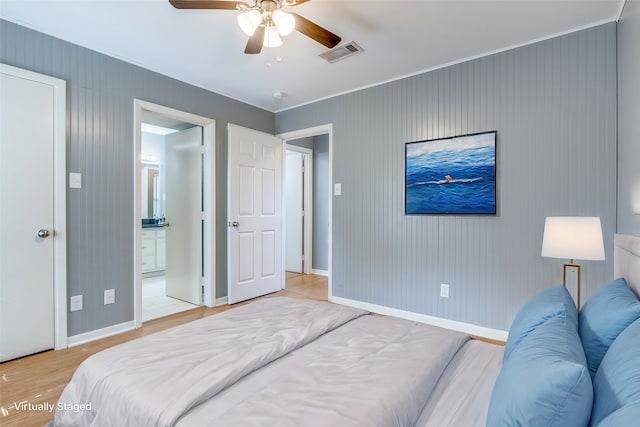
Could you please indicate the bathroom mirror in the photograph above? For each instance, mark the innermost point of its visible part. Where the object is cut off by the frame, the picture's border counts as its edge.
(150, 191)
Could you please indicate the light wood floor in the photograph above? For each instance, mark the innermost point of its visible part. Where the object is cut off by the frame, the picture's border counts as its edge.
(40, 379)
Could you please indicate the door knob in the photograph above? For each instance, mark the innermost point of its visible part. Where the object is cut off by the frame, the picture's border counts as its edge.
(43, 233)
(235, 224)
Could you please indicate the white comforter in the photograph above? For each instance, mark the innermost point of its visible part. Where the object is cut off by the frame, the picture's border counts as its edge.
(155, 380)
(372, 371)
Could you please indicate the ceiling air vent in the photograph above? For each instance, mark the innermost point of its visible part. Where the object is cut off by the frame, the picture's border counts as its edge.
(342, 52)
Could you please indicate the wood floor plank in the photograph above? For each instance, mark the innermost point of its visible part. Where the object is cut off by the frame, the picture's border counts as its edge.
(37, 381)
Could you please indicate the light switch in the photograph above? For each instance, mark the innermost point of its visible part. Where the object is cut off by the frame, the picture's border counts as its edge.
(337, 189)
(75, 180)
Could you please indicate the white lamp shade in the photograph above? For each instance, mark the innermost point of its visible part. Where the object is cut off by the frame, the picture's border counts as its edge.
(284, 22)
(271, 37)
(249, 21)
(573, 237)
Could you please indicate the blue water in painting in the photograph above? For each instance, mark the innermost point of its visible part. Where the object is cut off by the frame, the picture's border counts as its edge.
(471, 189)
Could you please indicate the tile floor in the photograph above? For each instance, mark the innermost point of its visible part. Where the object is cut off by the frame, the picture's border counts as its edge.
(155, 303)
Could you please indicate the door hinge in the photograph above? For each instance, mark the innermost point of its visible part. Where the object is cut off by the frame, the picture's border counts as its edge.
(202, 149)
(202, 215)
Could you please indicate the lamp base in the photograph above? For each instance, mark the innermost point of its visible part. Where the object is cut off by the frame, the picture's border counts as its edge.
(571, 280)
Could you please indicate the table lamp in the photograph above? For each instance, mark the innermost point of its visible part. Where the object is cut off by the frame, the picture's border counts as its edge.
(573, 237)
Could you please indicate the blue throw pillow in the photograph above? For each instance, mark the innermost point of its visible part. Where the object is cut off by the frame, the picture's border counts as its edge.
(627, 416)
(545, 381)
(616, 385)
(607, 313)
(536, 311)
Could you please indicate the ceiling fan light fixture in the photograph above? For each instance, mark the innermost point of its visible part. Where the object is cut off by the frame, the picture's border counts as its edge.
(249, 21)
(264, 21)
(271, 37)
(285, 23)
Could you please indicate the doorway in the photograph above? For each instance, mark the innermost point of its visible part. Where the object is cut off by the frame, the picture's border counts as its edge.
(298, 208)
(319, 140)
(174, 221)
(171, 201)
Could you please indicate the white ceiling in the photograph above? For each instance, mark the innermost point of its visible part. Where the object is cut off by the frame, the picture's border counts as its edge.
(400, 38)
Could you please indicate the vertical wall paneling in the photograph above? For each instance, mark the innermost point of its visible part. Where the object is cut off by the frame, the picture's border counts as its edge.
(628, 123)
(553, 104)
(100, 96)
(320, 168)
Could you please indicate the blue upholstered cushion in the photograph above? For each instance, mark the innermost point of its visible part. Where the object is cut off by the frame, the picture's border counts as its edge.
(616, 385)
(627, 416)
(536, 311)
(607, 313)
(544, 381)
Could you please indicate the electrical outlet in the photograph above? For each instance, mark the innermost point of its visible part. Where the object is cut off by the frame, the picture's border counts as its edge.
(76, 303)
(109, 296)
(75, 180)
(444, 290)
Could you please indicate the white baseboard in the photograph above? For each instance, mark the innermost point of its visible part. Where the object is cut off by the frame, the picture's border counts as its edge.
(101, 333)
(222, 301)
(468, 328)
(319, 272)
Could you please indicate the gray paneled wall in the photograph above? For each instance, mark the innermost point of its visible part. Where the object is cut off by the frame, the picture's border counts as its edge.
(320, 202)
(306, 142)
(628, 123)
(100, 94)
(553, 104)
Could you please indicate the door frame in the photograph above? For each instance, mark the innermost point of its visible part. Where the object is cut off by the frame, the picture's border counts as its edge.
(307, 202)
(208, 191)
(59, 197)
(315, 131)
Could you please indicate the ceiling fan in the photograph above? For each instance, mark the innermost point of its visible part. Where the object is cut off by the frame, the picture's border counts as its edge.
(264, 21)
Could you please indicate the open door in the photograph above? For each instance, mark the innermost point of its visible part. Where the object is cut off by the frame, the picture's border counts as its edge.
(294, 203)
(255, 214)
(183, 219)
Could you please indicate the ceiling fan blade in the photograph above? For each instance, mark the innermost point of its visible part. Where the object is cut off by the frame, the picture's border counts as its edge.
(206, 4)
(254, 45)
(316, 32)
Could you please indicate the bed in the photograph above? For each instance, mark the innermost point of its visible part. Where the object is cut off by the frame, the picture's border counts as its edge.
(291, 362)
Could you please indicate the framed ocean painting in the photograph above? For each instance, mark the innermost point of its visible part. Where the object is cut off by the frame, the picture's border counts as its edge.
(455, 175)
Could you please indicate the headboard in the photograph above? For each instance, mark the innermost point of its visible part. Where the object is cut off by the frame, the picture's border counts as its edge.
(626, 260)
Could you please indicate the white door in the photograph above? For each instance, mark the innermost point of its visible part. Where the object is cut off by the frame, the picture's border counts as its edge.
(255, 214)
(183, 215)
(26, 217)
(294, 205)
